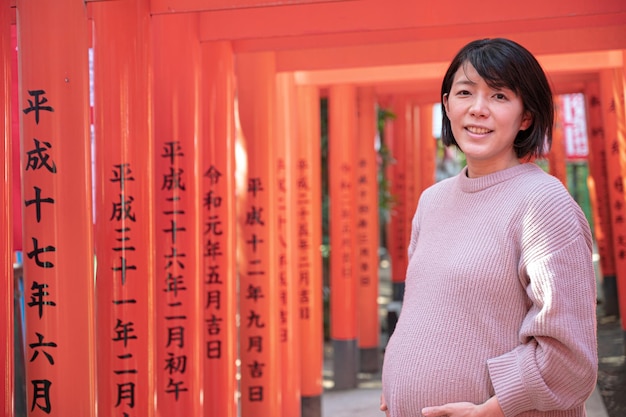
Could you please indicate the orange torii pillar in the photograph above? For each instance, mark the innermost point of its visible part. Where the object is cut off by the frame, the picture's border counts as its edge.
(427, 151)
(421, 147)
(367, 229)
(178, 176)
(612, 99)
(6, 215)
(556, 156)
(219, 232)
(418, 156)
(400, 139)
(56, 184)
(259, 283)
(285, 165)
(17, 188)
(308, 255)
(598, 185)
(124, 193)
(342, 121)
(411, 166)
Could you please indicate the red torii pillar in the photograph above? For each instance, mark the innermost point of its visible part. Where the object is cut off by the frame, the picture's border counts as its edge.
(178, 176)
(342, 121)
(400, 139)
(219, 231)
(125, 327)
(427, 149)
(422, 147)
(285, 141)
(56, 184)
(418, 157)
(309, 241)
(259, 286)
(412, 166)
(6, 216)
(556, 156)
(598, 185)
(612, 99)
(367, 230)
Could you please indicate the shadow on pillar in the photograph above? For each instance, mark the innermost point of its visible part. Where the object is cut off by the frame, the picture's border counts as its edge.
(609, 289)
(311, 406)
(19, 369)
(345, 364)
(369, 359)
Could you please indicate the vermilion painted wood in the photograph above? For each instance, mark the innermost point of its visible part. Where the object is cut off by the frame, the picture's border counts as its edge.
(56, 181)
(124, 190)
(619, 93)
(612, 104)
(327, 52)
(421, 80)
(367, 226)
(415, 166)
(427, 153)
(398, 21)
(6, 216)
(175, 6)
(179, 224)
(15, 144)
(412, 163)
(285, 164)
(259, 331)
(398, 229)
(309, 241)
(342, 131)
(598, 179)
(556, 156)
(219, 233)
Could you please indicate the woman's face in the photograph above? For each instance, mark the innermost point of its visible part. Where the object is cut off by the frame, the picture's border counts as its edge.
(484, 121)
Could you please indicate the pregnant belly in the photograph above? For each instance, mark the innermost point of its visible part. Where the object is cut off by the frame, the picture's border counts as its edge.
(422, 374)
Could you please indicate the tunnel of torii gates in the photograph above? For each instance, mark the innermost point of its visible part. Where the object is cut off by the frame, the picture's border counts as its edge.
(199, 198)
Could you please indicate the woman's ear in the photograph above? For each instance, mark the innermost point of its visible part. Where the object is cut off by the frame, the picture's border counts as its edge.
(527, 120)
(444, 99)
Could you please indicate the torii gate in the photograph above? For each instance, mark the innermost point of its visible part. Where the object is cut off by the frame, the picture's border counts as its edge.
(206, 126)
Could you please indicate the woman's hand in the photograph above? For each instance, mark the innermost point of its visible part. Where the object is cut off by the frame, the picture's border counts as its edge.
(490, 408)
(383, 405)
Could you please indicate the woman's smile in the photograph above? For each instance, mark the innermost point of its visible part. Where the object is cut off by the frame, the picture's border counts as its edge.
(477, 130)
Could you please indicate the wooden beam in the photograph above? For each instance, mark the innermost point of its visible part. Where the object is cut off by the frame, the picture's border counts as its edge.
(330, 24)
(443, 49)
(186, 6)
(433, 72)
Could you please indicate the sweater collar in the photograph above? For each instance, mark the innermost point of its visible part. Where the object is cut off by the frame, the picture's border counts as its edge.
(472, 185)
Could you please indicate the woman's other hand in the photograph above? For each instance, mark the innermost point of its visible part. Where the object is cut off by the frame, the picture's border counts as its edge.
(383, 405)
(490, 408)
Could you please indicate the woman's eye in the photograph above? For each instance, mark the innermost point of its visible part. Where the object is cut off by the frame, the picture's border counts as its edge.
(500, 96)
(463, 93)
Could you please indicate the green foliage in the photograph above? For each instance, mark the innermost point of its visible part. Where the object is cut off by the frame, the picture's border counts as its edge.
(577, 174)
(386, 200)
(324, 170)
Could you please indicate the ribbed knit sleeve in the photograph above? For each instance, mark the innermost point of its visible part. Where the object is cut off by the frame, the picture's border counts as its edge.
(414, 233)
(554, 367)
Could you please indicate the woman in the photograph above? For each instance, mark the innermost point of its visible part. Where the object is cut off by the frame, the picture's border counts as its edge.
(498, 317)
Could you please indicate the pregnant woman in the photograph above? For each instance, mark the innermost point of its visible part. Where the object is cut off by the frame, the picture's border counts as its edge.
(498, 317)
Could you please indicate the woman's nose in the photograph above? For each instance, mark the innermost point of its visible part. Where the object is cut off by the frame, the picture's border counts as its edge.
(479, 107)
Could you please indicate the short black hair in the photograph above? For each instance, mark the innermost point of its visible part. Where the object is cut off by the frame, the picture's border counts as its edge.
(505, 63)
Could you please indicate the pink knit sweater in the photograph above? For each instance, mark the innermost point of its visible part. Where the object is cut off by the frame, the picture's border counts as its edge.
(500, 299)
